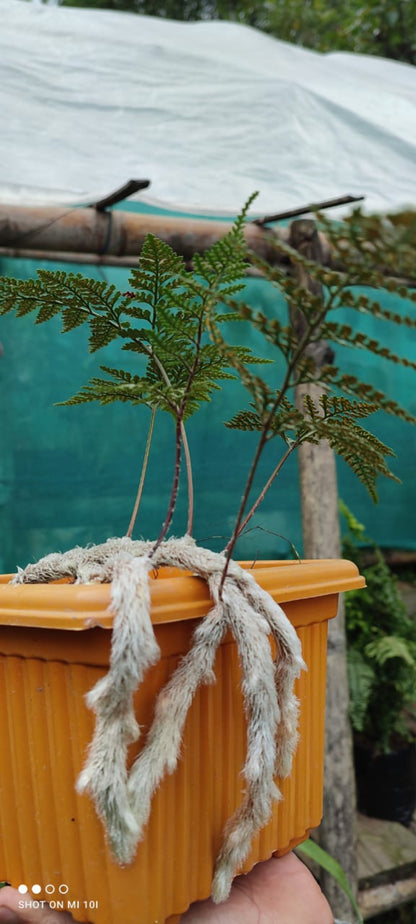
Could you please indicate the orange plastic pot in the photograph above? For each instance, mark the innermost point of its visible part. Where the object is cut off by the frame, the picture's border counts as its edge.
(54, 645)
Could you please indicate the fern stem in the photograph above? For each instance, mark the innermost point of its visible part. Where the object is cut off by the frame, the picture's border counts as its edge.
(181, 440)
(142, 476)
(174, 491)
(266, 487)
(188, 463)
(298, 352)
(237, 528)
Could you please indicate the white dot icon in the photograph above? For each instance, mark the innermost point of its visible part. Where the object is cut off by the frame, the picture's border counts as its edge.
(22, 888)
(36, 888)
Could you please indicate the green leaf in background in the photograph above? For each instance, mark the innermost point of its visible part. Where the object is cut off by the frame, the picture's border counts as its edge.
(361, 679)
(356, 528)
(389, 646)
(312, 850)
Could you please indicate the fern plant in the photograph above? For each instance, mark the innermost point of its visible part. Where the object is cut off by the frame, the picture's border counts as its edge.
(364, 251)
(173, 322)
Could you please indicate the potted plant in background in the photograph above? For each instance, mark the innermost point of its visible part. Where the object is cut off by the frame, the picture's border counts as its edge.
(55, 639)
(382, 677)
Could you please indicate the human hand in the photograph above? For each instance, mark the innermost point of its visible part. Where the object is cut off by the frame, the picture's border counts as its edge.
(277, 891)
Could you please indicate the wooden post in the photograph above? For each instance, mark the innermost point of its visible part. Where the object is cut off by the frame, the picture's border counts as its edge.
(321, 538)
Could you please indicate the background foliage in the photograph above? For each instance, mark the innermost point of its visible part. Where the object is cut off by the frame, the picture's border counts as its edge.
(372, 27)
(381, 647)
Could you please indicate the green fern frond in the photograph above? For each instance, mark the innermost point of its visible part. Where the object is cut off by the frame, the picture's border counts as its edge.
(105, 392)
(139, 343)
(344, 335)
(366, 305)
(389, 646)
(121, 375)
(215, 262)
(283, 421)
(245, 355)
(159, 271)
(365, 391)
(75, 290)
(341, 407)
(335, 421)
(228, 317)
(102, 333)
(24, 296)
(224, 262)
(361, 678)
(78, 298)
(336, 407)
(71, 318)
(245, 420)
(273, 330)
(364, 453)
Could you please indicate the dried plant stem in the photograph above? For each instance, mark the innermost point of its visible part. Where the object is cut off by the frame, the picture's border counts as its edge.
(142, 475)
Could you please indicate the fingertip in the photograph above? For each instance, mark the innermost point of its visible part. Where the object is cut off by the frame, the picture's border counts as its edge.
(7, 916)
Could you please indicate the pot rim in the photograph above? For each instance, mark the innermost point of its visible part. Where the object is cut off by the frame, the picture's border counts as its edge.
(175, 595)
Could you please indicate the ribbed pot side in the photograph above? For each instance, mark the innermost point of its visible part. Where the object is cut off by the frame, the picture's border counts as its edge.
(54, 645)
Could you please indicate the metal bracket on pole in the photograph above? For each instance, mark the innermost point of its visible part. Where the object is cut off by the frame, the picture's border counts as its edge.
(123, 192)
(305, 209)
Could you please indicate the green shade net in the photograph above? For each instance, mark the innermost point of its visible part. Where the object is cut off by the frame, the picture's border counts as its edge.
(68, 475)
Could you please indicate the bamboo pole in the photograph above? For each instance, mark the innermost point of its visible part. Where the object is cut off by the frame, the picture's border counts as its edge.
(114, 238)
(116, 234)
(87, 259)
(61, 256)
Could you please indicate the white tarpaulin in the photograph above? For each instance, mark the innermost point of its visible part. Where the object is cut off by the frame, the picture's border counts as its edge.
(208, 111)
